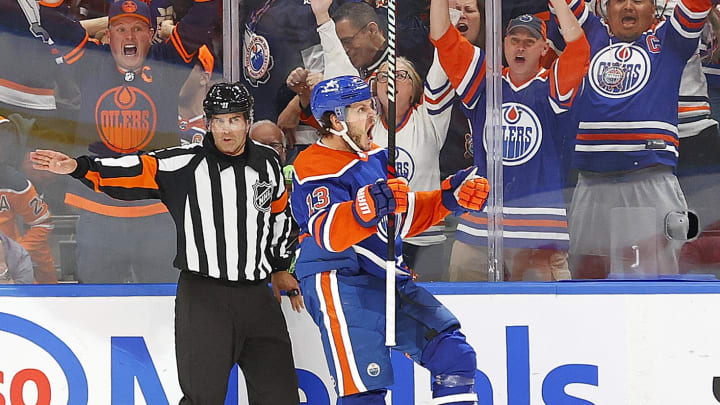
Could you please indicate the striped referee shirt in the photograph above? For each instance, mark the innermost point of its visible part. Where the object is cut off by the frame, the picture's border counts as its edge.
(229, 211)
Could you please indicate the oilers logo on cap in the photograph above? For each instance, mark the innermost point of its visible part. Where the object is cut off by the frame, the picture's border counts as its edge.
(522, 134)
(619, 70)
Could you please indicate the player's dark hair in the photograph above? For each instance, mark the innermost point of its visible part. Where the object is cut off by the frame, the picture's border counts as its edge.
(359, 14)
(325, 125)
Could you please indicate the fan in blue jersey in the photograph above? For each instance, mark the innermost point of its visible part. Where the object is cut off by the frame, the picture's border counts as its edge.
(535, 114)
(626, 148)
(340, 199)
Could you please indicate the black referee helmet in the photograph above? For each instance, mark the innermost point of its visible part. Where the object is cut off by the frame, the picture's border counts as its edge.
(224, 98)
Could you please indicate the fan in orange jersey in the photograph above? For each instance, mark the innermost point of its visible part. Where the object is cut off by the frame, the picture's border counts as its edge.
(18, 197)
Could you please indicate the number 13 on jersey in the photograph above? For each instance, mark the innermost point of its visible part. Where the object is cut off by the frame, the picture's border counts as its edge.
(318, 199)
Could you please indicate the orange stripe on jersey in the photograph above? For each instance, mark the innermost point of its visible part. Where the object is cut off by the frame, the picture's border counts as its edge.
(206, 58)
(52, 5)
(438, 99)
(543, 15)
(684, 21)
(77, 49)
(113, 211)
(349, 386)
(689, 109)
(303, 236)
(76, 58)
(26, 89)
(697, 6)
(177, 43)
(470, 93)
(279, 204)
(579, 10)
(146, 179)
(627, 137)
(521, 222)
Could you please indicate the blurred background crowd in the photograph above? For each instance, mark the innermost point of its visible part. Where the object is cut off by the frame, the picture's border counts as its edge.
(110, 78)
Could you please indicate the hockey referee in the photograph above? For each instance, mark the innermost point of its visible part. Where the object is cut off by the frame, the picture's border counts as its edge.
(227, 197)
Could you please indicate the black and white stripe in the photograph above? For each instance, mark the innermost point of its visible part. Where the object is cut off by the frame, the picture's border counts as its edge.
(225, 235)
(211, 197)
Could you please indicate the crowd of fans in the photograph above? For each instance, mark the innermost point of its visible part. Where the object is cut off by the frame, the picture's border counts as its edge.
(110, 78)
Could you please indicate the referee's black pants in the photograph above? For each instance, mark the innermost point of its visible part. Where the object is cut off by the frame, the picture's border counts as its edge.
(218, 324)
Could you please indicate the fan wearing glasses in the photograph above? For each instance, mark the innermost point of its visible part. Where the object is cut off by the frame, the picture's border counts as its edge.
(422, 118)
(359, 35)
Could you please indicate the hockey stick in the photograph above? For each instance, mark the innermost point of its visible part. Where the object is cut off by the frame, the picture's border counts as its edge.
(390, 263)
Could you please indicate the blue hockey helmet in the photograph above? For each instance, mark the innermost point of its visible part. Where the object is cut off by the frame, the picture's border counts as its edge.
(337, 93)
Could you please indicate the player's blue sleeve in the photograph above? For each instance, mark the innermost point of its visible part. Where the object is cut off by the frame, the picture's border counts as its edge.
(323, 210)
(682, 29)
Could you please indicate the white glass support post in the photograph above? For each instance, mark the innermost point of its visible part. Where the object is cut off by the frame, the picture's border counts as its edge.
(493, 131)
(232, 46)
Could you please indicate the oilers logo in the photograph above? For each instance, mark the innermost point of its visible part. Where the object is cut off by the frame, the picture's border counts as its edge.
(619, 70)
(257, 60)
(126, 118)
(404, 164)
(522, 134)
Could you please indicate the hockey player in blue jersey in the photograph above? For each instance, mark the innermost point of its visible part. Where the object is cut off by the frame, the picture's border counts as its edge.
(536, 118)
(626, 148)
(340, 200)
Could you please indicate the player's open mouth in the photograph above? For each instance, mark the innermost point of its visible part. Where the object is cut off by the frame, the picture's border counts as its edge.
(462, 27)
(130, 50)
(519, 59)
(629, 20)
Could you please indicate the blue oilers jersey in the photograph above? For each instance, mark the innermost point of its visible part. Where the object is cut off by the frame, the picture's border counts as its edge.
(628, 114)
(28, 72)
(128, 112)
(325, 184)
(536, 128)
(281, 32)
